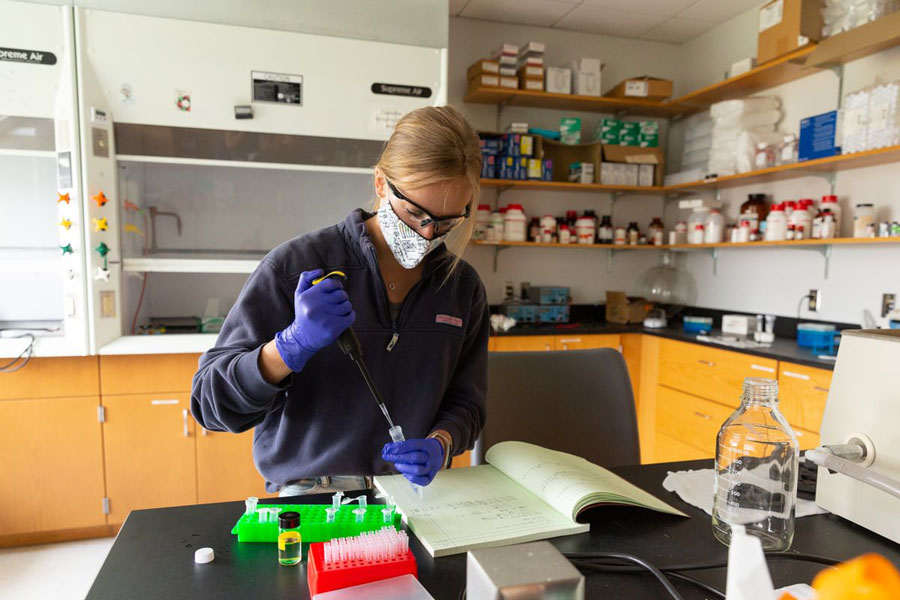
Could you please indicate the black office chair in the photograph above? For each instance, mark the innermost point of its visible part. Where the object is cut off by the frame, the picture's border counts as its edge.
(577, 401)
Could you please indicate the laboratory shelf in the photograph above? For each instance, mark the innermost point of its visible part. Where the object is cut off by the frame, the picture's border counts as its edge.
(831, 164)
(565, 186)
(601, 104)
(246, 164)
(506, 244)
(166, 343)
(763, 244)
(189, 265)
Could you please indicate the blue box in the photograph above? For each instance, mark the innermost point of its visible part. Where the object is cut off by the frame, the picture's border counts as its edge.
(489, 146)
(488, 166)
(548, 294)
(522, 313)
(553, 313)
(697, 324)
(817, 137)
(547, 170)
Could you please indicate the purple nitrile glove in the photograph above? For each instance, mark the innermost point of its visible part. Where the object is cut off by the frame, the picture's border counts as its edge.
(321, 313)
(417, 460)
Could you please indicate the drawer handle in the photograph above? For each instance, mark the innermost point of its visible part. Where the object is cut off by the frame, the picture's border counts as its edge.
(702, 415)
(184, 421)
(571, 341)
(821, 389)
(163, 402)
(762, 368)
(708, 363)
(796, 375)
(547, 347)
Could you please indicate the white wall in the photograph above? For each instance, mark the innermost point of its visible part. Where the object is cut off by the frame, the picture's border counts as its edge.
(757, 280)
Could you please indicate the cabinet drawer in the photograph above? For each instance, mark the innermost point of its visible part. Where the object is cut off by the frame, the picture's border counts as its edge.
(524, 343)
(710, 372)
(802, 392)
(587, 342)
(147, 373)
(52, 378)
(688, 419)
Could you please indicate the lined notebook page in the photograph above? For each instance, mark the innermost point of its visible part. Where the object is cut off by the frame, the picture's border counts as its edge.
(475, 507)
(566, 482)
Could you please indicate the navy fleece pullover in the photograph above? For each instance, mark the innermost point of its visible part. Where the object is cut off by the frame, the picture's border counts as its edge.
(322, 420)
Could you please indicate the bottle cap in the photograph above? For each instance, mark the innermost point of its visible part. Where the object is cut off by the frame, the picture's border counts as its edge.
(514, 207)
(486, 207)
(204, 555)
(289, 520)
(829, 198)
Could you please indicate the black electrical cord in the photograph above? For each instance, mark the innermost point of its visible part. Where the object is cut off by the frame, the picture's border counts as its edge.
(24, 356)
(594, 556)
(640, 562)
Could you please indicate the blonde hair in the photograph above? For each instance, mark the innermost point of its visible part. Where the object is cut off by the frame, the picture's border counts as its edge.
(431, 145)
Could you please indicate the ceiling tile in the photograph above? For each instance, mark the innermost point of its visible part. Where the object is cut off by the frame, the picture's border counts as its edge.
(665, 8)
(542, 13)
(608, 21)
(678, 31)
(718, 10)
(456, 6)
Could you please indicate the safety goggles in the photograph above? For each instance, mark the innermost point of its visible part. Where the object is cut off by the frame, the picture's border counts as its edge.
(419, 218)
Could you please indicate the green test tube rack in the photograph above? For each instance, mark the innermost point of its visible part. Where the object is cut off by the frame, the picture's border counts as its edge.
(313, 523)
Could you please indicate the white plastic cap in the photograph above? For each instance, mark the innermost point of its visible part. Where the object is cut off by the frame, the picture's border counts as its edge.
(204, 555)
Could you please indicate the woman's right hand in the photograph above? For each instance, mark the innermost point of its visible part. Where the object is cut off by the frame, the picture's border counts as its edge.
(321, 313)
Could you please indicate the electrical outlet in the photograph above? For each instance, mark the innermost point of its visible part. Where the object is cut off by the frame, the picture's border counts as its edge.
(814, 301)
(888, 302)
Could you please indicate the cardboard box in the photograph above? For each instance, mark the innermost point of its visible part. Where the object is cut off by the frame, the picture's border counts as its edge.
(534, 85)
(484, 80)
(742, 66)
(558, 80)
(507, 71)
(563, 155)
(585, 83)
(643, 87)
(483, 66)
(785, 26)
(620, 308)
(509, 82)
(645, 175)
(636, 156)
(530, 72)
(587, 65)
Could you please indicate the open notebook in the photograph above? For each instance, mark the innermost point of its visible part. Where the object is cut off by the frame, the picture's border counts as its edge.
(526, 493)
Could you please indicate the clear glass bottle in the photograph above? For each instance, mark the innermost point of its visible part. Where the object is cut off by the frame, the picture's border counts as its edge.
(289, 540)
(756, 470)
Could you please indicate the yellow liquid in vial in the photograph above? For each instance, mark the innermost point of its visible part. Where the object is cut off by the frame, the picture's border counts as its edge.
(289, 548)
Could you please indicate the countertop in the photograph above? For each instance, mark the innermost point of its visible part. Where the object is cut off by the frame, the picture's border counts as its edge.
(783, 348)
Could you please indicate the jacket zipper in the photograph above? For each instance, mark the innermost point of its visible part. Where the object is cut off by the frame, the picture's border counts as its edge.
(395, 328)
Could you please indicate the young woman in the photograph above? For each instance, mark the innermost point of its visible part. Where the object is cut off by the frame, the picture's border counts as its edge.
(419, 311)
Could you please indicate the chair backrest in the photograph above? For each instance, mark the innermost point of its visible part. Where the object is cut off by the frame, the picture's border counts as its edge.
(577, 401)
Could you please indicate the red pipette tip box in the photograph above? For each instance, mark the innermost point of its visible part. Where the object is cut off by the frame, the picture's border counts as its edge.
(349, 573)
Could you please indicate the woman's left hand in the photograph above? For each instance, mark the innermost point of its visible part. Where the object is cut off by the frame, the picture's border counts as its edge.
(418, 460)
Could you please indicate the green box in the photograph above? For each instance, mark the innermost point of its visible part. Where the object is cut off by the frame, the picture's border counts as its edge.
(313, 525)
(648, 126)
(648, 140)
(610, 125)
(570, 130)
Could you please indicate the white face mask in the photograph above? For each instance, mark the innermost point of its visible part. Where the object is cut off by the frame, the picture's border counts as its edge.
(407, 246)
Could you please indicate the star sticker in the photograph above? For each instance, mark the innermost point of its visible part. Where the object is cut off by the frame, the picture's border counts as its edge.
(100, 224)
(102, 274)
(100, 198)
(65, 224)
(67, 249)
(102, 249)
(62, 198)
(133, 229)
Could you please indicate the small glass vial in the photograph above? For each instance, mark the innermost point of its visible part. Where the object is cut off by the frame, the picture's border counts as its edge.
(756, 470)
(289, 546)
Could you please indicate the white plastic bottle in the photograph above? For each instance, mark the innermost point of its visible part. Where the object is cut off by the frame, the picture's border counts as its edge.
(515, 224)
(776, 224)
(714, 233)
(801, 218)
(585, 229)
(832, 204)
(496, 224)
(482, 218)
(697, 235)
(548, 228)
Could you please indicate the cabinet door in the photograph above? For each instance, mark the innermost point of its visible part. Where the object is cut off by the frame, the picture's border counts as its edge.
(524, 343)
(710, 373)
(51, 460)
(802, 392)
(587, 342)
(150, 456)
(690, 420)
(225, 468)
(147, 373)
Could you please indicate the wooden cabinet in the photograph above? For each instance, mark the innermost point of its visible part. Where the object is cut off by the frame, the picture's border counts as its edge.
(147, 373)
(63, 377)
(51, 460)
(710, 373)
(802, 393)
(150, 452)
(587, 342)
(225, 468)
(691, 420)
(523, 343)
